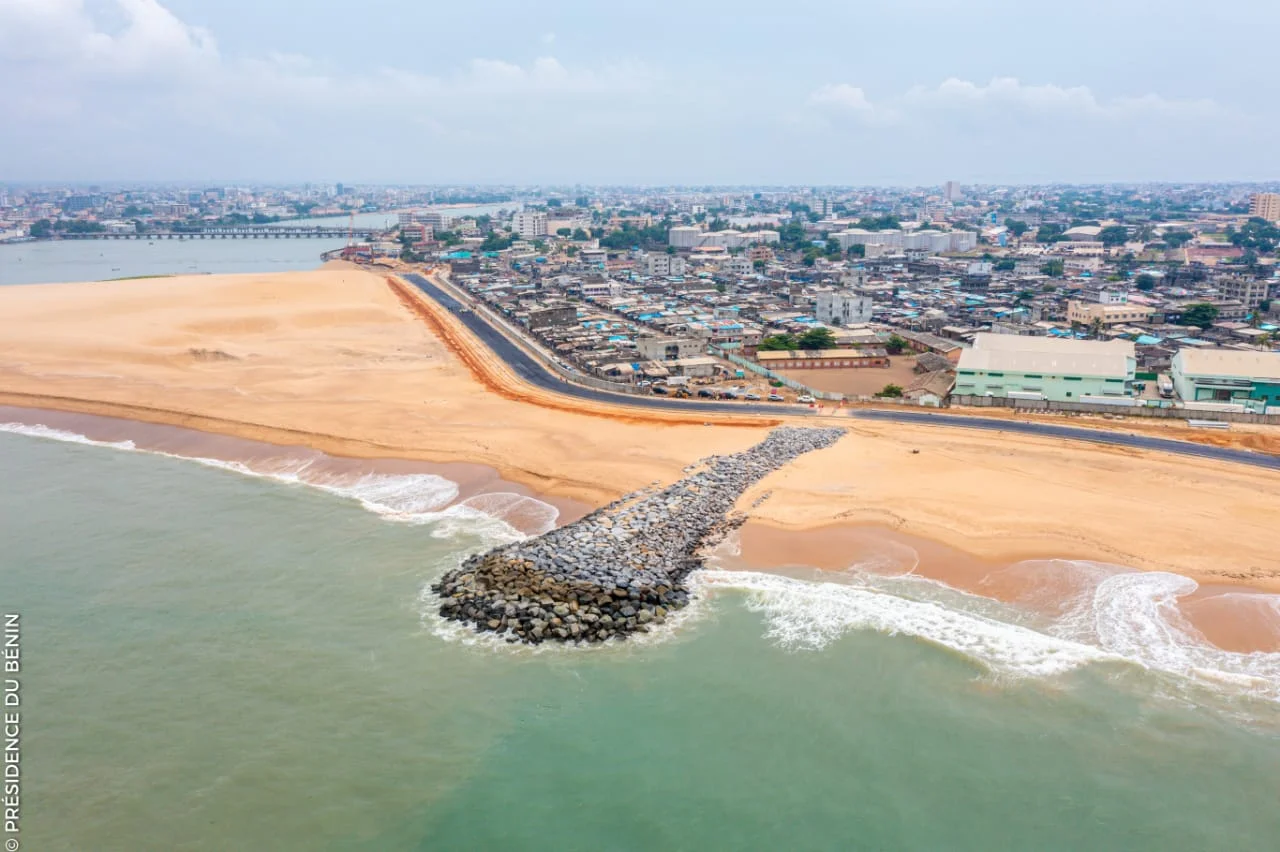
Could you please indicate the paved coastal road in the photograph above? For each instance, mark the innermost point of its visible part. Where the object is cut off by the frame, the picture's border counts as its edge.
(535, 374)
(1098, 436)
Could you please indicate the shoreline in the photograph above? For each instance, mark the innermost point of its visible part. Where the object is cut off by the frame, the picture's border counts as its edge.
(1225, 615)
(187, 443)
(1222, 613)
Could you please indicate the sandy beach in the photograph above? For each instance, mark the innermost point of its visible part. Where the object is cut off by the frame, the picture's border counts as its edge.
(337, 360)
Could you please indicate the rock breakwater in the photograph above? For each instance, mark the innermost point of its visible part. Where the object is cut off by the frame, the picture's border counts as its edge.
(622, 568)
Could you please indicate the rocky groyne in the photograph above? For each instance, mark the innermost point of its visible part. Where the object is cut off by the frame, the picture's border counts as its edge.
(622, 568)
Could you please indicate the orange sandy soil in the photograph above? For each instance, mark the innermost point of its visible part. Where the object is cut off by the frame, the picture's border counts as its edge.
(353, 364)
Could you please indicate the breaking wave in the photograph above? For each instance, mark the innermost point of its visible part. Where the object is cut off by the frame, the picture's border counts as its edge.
(416, 498)
(811, 615)
(39, 431)
(1115, 616)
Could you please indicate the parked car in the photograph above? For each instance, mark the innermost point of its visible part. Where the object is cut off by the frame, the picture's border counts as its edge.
(806, 399)
(776, 397)
(754, 397)
(644, 384)
(728, 394)
(659, 389)
(707, 394)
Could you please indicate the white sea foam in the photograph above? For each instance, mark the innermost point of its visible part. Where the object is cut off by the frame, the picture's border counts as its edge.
(1115, 616)
(417, 498)
(1136, 615)
(811, 615)
(39, 431)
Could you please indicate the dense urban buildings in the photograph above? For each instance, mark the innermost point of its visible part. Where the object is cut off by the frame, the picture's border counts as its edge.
(1064, 294)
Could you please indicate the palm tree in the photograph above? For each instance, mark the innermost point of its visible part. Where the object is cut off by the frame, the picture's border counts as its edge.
(1095, 328)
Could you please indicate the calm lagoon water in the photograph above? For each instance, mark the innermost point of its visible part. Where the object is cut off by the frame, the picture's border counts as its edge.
(216, 660)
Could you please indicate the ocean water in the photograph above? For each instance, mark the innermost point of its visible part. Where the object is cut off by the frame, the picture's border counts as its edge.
(221, 657)
(47, 262)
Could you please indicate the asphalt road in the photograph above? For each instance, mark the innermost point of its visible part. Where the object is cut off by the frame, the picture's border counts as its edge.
(534, 373)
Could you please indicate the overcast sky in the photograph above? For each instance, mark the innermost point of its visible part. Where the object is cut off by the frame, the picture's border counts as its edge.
(560, 91)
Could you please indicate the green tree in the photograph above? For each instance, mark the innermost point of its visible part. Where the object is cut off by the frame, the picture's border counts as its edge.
(818, 338)
(879, 223)
(564, 232)
(449, 238)
(41, 229)
(1005, 264)
(1050, 233)
(896, 345)
(857, 250)
(580, 235)
(1054, 268)
(778, 343)
(721, 287)
(1258, 235)
(890, 391)
(497, 242)
(1016, 227)
(833, 246)
(1145, 282)
(1177, 239)
(758, 265)
(1201, 314)
(1114, 235)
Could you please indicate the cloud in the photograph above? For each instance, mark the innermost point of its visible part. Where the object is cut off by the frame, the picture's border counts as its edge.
(53, 33)
(1009, 95)
(841, 96)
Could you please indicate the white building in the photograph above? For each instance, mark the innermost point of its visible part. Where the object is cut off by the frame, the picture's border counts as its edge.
(439, 221)
(663, 265)
(838, 307)
(530, 224)
(684, 237)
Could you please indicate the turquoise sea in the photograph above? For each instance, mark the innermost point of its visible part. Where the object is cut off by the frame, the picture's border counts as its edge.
(231, 657)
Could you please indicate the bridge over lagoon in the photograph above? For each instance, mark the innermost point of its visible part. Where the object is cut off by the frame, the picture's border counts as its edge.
(234, 232)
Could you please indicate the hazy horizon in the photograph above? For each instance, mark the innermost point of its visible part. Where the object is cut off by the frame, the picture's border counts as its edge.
(713, 94)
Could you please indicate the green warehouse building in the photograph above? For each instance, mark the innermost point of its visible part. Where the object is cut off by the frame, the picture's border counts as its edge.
(1244, 377)
(1051, 368)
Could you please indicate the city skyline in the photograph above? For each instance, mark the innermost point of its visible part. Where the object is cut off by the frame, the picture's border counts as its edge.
(930, 90)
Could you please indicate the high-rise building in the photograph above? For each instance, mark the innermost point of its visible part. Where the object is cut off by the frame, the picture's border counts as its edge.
(951, 191)
(530, 224)
(1265, 205)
